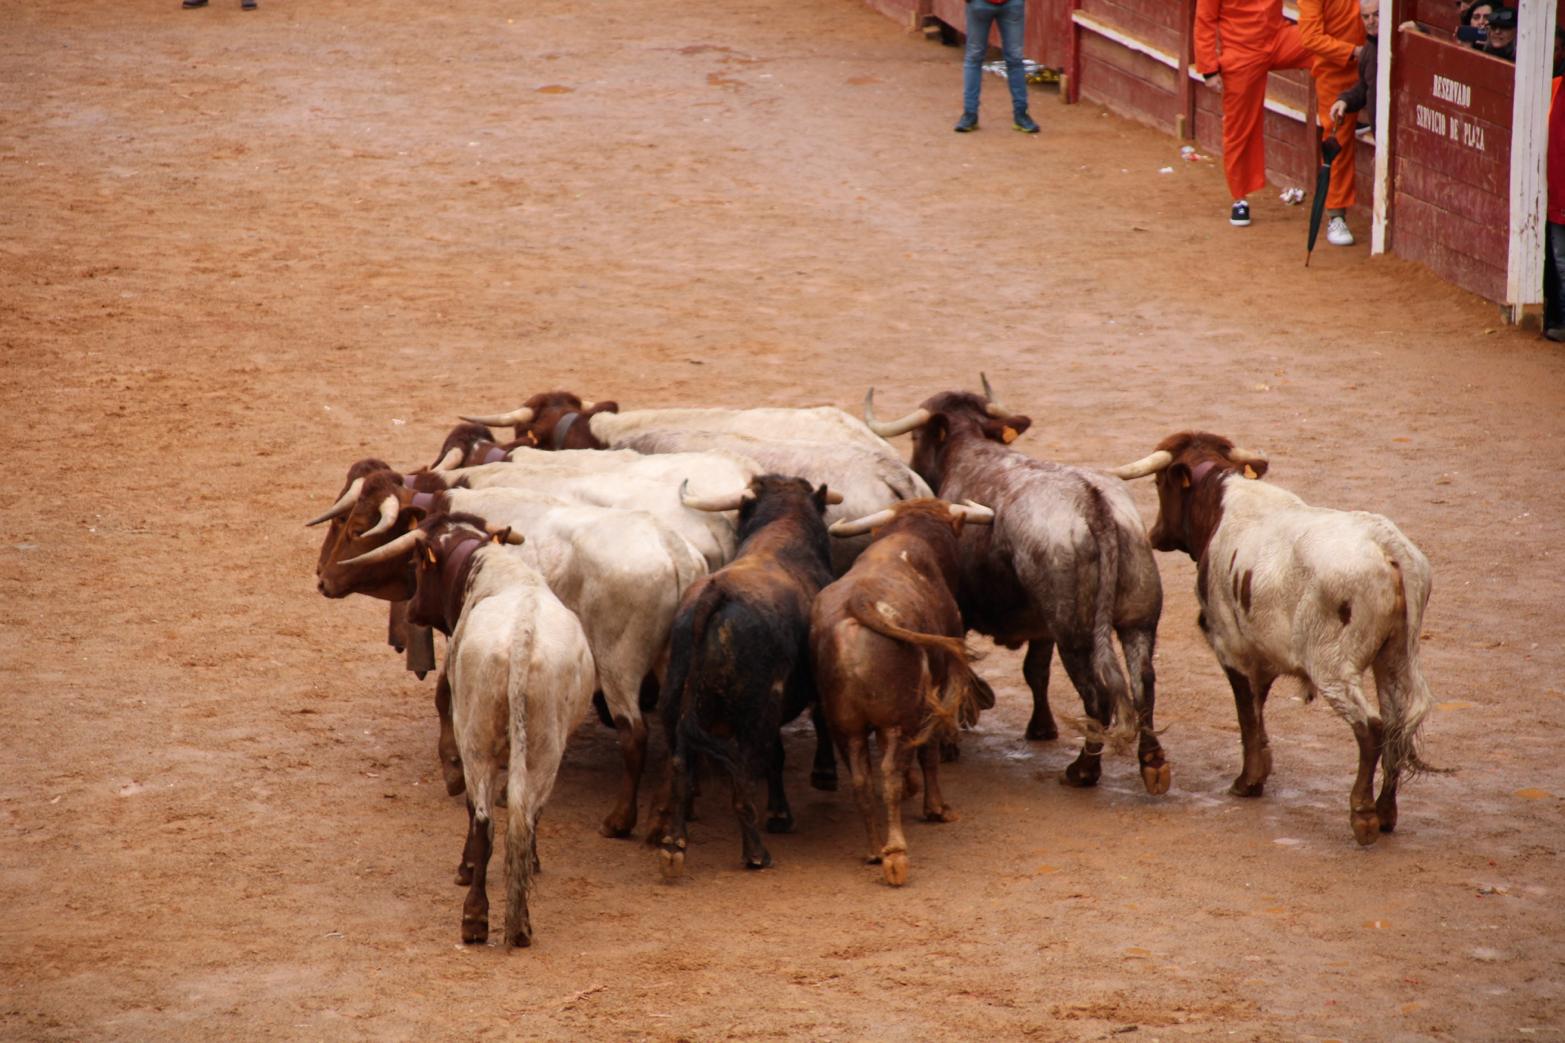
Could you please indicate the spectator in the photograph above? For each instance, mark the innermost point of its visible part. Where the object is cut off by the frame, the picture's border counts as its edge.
(1237, 42)
(1011, 15)
(1474, 29)
(1502, 34)
(1361, 96)
(1333, 32)
(1554, 230)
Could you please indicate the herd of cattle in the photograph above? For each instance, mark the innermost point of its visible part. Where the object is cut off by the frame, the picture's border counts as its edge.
(733, 568)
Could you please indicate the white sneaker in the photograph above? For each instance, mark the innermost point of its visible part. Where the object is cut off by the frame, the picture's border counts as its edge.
(1337, 233)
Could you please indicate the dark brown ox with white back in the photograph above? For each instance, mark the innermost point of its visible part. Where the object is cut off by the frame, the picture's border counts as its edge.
(887, 643)
(1287, 589)
(1066, 563)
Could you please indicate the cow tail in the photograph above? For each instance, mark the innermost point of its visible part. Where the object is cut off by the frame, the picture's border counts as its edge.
(686, 737)
(1407, 693)
(1126, 721)
(962, 695)
(521, 815)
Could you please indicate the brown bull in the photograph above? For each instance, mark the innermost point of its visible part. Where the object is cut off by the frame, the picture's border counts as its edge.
(887, 644)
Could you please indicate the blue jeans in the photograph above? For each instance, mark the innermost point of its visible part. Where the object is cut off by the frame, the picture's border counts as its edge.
(981, 14)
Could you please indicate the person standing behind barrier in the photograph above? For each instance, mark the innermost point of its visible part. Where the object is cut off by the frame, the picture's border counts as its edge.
(1011, 15)
(1334, 33)
(1237, 42)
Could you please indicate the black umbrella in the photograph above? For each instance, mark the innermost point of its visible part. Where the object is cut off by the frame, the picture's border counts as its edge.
(1329, 148)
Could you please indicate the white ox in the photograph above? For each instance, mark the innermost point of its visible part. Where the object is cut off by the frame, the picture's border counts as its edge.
(622, 572)
(521, 676)
(1287, 589)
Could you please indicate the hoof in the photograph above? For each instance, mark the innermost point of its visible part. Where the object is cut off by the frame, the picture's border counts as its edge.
(944, 814)
(872, 860)
(779, 823)
(1388, 815)
(1075, 778)
(1156, 778)
(522, 939)
(1042, 731)
(1241, 788)
(761, 861)
(671, 860)
(617, 826)
(824, 780)
(1366, 827)
(893, 868)
(950, 753)
(464, 875)
(474, 931)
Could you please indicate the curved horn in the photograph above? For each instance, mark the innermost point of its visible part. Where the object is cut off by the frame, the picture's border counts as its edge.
(728, 502)
(390, 507)
(901, 426)
(512, 537)
(399, 546)
(515, 418)
(343, 505)
(974, 513)
(1145, 466)
(451, 461)
(859, 526)
(1247, 456)
(586, 407)
(994, 407)
(833, 496)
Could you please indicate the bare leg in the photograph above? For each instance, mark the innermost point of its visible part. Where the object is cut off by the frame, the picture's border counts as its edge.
(823, 775)
(935, 807)
(1137, 643)
(1362, 816)
(1087, 768)
(446, 748)
(779, 816)
(855, 750)
(475, 910)
(633, 747)
(1035, 669)
(1252, 736)
(895, 759)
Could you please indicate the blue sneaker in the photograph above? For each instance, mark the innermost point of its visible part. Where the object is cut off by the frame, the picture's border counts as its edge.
(1239, 216)
(1024, 123)
(968, 122)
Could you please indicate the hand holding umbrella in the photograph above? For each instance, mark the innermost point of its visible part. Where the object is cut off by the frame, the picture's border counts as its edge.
(1330, 147)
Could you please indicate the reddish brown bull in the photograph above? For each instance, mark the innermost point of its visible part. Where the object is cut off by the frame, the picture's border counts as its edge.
(553, 420)
(889, 659)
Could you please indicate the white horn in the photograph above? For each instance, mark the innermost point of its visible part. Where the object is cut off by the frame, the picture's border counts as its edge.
(917, 418)
(1145, 466)
(451, 461)
(859, 526)
(833, 496)
(343, 505)
(994, 406)
(974, 513)
(514, 418)
(390, 507)
(1247, 456)
(728, 502)
(399, 546)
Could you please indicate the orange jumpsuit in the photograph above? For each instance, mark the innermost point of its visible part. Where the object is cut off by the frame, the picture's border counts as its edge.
(1331, 29)
(1244, 40)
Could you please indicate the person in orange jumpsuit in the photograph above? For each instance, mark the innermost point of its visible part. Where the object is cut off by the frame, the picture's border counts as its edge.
(1333, 31)
(1237, 42)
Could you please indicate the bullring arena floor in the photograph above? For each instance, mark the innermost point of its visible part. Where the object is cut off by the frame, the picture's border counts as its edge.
(238, 251)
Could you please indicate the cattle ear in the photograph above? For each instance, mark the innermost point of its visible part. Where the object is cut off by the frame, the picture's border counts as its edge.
(603, 407)
(532, 439)
(430, 557)
(1179, 475)
(938, 427)
(1007, 430)
(1255, 469)
(500, 538)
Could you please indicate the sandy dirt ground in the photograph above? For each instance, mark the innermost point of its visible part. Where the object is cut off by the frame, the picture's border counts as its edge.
(240, 250)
